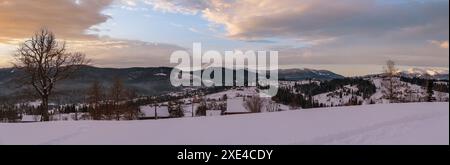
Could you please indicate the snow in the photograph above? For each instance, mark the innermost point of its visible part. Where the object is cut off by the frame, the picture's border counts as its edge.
(429, 71)
(408, 92)
(233, 93)
(161, 74)
(68, 117)
(290, 84)
(333, 98)
(213, 112)
(30, 118)
(414, 123)
(34, 104)
(378, 82)
(441, 96)
(187, 109)
(236, 105)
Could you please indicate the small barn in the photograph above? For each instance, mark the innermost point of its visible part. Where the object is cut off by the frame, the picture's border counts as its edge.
(148, 112)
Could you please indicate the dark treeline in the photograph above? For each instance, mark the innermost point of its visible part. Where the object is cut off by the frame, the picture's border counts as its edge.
(166, 98)
(287, 97)
(301, 95)
(365, 87)
(9, 112)
(441, 87)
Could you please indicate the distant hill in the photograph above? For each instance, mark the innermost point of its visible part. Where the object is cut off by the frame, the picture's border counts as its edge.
(146, 81)
(303, 74)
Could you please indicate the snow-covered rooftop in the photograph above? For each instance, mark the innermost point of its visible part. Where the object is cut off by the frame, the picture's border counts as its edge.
(149, 111)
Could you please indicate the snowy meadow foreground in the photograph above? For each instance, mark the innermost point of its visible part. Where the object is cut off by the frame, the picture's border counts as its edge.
(414, 123)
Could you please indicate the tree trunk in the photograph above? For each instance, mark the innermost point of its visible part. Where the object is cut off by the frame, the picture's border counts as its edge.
(44, 109)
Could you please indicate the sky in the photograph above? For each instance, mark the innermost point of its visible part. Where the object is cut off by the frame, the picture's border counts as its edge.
(350, 37)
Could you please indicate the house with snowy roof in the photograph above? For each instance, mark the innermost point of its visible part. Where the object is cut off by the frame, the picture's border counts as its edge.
(152, 112)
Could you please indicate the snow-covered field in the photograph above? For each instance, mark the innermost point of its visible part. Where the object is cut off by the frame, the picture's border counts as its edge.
(415, 123)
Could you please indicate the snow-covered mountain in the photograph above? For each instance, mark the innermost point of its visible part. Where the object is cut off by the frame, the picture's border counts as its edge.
(146, 81)
(440, 74)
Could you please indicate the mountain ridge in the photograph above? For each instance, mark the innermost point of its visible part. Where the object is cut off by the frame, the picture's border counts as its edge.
(144, 80)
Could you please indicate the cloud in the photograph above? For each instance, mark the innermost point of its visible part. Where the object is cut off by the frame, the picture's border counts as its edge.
(341, 32)
(5, 55)
(319, 31)
(70, 20)
(363, 53)
(314, 19)
(125, 53)
(441, 44)
(171, 6)
(108, 52)
(67, 18)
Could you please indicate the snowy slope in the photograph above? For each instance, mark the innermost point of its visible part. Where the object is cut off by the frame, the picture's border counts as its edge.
(408, 92)
(233, 93)
(417, 123)
(333, 99)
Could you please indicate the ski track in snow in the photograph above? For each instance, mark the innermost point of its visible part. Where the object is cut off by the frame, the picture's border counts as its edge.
(365, 135)
(66, 137)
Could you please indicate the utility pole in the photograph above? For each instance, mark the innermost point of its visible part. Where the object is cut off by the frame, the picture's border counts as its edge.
(192, 104)
(156, 111)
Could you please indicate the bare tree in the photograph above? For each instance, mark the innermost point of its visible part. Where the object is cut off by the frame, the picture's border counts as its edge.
(175, 109)
(390, 69)
(45, 61)
(201, 109)
(130, 109)
(272, 107)
(254, 104)
(390, 82)
(95, 93)
(117, 95)
(95, 96)
(117, 90)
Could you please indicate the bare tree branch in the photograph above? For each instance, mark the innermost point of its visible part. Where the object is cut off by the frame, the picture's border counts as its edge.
(45, 61)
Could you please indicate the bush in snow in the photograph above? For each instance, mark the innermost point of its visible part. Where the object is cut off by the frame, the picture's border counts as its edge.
(201, 109)
(254, 104)
(272, 107)
(175, 110)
